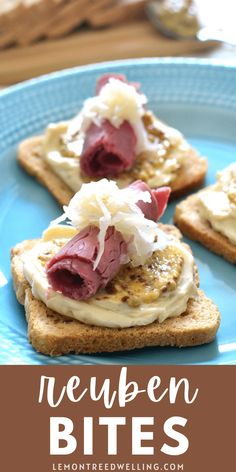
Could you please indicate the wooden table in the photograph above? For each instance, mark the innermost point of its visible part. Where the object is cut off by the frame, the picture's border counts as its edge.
(135, 39)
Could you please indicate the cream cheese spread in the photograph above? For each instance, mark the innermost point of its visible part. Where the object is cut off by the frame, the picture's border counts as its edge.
(60, 155)
(217, 204)
(100, 311)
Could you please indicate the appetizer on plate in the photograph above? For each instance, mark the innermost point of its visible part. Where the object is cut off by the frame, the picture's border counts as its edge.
(116, 136)
(112, 278)
(209, 216)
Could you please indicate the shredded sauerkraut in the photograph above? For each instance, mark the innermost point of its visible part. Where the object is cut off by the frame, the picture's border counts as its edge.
(116, 102)
(103, 204)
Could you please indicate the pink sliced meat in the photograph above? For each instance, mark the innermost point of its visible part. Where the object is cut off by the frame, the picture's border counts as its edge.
(159, 199)
(105, 78)
(162, 196)
(107, 150)
(71, 271)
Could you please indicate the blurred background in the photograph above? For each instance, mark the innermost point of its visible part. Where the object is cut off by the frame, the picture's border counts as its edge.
(39, 36)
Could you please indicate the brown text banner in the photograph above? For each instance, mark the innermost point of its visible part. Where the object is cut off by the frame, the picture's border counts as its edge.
(73, 418)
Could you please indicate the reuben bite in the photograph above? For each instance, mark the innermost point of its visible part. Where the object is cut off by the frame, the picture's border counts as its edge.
(209, 216)
(116, 136)
(112, 278)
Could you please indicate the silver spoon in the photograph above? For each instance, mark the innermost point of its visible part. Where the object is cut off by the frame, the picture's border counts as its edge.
(153, 10)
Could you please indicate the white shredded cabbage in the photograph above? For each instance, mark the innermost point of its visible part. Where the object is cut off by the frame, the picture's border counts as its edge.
(103, 204)
(116, 102)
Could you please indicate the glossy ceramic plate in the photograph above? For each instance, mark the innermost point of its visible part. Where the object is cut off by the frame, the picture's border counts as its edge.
(198, 98)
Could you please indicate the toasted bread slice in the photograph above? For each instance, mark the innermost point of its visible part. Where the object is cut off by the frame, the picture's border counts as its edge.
(191, 223)
(69, 15)
(53, 334)
(190, 176)
(30, 159)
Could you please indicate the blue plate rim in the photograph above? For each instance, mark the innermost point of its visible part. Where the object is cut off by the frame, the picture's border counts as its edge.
(188, 61)
(221, 64)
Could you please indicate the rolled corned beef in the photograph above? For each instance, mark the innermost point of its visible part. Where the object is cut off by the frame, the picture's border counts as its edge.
(71, 271)
(107, 150)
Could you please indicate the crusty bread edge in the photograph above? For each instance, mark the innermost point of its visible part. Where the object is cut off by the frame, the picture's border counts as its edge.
(191, 223)
(30, 160)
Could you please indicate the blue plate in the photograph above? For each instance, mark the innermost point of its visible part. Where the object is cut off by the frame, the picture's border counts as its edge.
(197, 97)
